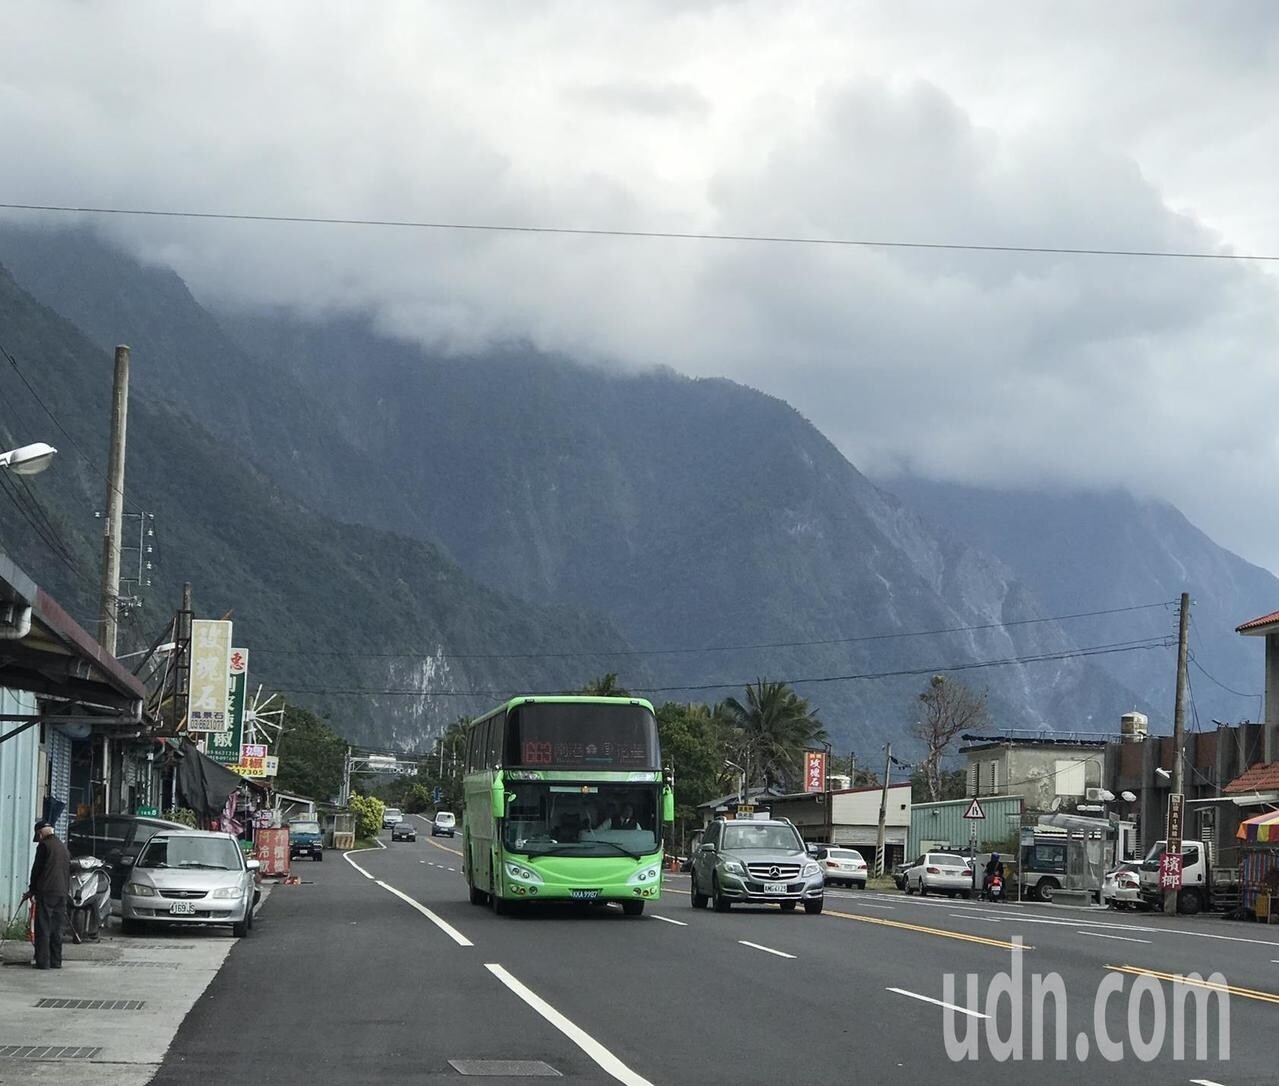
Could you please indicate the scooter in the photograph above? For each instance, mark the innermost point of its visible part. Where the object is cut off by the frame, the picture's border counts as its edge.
(89, 903)
(994, 889)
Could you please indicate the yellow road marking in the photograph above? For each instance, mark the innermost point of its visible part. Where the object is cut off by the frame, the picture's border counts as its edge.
(1246, 993)
(443, 848)
(961, 936)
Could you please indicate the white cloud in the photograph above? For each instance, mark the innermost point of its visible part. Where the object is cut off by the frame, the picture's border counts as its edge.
(1143, 126)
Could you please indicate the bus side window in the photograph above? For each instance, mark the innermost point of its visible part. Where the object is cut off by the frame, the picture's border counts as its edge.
(472, 741)
(494, 734)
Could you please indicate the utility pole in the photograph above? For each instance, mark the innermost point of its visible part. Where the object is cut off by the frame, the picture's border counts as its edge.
(883, 813)
(346, 778)
(1172, 833)
(182, 660)
(108, 614)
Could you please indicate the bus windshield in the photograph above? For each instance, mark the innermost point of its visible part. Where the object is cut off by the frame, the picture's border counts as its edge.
(600, 819)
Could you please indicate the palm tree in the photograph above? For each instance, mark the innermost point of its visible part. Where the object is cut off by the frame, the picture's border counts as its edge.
(605, 687)
(772, 730)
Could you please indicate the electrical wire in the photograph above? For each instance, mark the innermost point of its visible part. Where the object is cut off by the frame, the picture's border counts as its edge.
(713, 648)
(1092, 650)
(671, 235)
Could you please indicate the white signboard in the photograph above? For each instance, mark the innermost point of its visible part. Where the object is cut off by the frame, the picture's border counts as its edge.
(209, 703)
(272, 765)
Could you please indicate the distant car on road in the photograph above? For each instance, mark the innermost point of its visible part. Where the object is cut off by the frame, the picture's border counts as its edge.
(306, 838)
(390, 816)
(755, 862)
(1120, 889)
(404, 830)
(444, 824)
(192, 877)
(940, 873)
(842, 865)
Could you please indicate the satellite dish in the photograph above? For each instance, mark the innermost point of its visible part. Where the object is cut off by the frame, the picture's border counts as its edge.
(1128, 797)
(80, 730)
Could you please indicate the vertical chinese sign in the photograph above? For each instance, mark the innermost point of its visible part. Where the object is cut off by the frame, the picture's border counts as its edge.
(814, 771)
(208, 704)
(224, 746)
(271, 850)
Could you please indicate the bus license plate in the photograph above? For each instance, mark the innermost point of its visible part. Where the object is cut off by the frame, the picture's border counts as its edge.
(774, 888)
(584, 894)
(182, 908)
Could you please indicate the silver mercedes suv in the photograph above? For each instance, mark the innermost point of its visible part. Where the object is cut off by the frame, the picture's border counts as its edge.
(761, 862)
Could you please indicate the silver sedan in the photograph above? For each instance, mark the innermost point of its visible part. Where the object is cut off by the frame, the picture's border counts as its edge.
(190, 877)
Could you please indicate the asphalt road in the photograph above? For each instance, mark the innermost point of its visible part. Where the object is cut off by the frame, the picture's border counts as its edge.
(377, 969)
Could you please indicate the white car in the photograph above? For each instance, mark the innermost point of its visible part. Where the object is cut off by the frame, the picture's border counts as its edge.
(191, 877)
(1120, 888)
(844, 865)
(392, 816)
(940, 873)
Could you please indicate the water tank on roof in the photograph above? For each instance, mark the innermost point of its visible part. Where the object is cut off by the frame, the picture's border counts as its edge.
(1134, 727)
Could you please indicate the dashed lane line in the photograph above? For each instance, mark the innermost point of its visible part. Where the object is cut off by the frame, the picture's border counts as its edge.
(668, 920)
(766, 949)
(938, 1002)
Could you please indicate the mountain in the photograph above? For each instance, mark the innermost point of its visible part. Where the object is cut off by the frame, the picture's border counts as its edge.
(719, 531)
(1075, 549)
(307, 592)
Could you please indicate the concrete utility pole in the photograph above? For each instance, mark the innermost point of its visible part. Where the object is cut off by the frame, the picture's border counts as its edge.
(1178, 742)
(109, 612)
(182, 660)
(883, 813)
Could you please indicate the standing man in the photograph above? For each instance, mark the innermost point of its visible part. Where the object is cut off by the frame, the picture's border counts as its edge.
(50, 885)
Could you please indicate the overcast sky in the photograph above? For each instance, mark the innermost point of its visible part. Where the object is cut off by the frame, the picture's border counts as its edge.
(1138, 126)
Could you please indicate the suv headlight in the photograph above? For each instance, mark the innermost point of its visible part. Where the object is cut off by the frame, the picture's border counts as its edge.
(734, 867)
(140, 889)
(811, 869)
(522, 873)
(228, 891)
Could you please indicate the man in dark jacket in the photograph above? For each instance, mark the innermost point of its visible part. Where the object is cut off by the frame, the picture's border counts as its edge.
(50, 885)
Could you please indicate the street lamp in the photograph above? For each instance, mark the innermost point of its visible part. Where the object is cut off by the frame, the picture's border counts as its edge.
(28, 459)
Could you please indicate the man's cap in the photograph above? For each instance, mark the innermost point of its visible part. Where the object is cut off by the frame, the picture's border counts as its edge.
(41, 825)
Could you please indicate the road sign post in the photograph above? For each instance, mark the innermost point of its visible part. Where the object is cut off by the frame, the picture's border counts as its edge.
(1170, 862)
(974, 814)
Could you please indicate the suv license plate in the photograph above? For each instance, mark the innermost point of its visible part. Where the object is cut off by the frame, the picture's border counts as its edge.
(586, 895)
(774, 888)
(182, 908)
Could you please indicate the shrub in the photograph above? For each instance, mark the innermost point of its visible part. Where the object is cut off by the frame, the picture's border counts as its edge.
(368, 812)
(184, 815)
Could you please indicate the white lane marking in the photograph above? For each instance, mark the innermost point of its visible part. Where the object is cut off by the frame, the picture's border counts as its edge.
(765, 949)
(453, 869)
(871, 905)
(938, 1002)
(443, 925)
(347, 857)
(971, 916)
(668, 920)
(588, 1044)
(1203, 1082)
(1121, 938)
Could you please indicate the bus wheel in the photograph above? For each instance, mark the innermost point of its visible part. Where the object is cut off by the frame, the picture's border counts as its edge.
(478, 897)
(501, 906)
(633, 908)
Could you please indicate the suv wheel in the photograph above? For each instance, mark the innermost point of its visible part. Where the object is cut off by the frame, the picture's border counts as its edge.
(813, 907)
(700, 900)
(722, 904)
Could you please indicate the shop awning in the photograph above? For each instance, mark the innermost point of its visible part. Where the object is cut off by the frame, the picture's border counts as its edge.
(1263, 829)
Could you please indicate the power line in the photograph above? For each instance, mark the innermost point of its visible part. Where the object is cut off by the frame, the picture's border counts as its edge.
(1093, 650)
(1228, 689)
(673, 235)
(713, 648)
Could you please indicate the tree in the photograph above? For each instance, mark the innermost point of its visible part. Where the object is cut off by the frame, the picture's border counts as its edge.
(694, 741)
(953, 785)
(771, 731)
(311, 756)
(605, 687)
(946, 708)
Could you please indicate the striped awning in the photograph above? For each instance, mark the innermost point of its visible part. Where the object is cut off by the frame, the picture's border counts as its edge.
(1264, 829)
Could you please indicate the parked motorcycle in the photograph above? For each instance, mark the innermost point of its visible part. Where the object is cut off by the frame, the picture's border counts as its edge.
(89, 903)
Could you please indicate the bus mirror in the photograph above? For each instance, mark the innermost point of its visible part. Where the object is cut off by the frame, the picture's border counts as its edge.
(668, 804)
(499, 800)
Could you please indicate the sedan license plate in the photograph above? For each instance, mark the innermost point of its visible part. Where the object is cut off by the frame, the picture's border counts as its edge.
(774, 888)
(182, 908)
(585, 895)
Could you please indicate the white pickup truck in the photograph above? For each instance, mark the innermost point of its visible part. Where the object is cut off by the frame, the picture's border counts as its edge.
(1203, 884)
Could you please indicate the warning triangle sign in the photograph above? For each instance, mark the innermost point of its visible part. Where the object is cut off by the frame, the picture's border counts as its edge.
(974, 810)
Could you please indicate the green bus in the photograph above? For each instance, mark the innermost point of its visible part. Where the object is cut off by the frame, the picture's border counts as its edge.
(565, 801)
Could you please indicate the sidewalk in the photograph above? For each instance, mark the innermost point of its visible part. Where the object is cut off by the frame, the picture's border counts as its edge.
(146, 984)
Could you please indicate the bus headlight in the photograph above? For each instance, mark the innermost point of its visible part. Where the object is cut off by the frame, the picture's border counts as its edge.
(647, 875)
(522, 874)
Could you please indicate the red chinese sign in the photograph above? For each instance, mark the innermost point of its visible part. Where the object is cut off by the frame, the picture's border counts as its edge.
(1170, 871)
(271, 850)
(814, 771)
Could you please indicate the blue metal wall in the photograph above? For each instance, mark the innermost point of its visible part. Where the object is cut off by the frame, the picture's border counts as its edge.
(19, 804)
